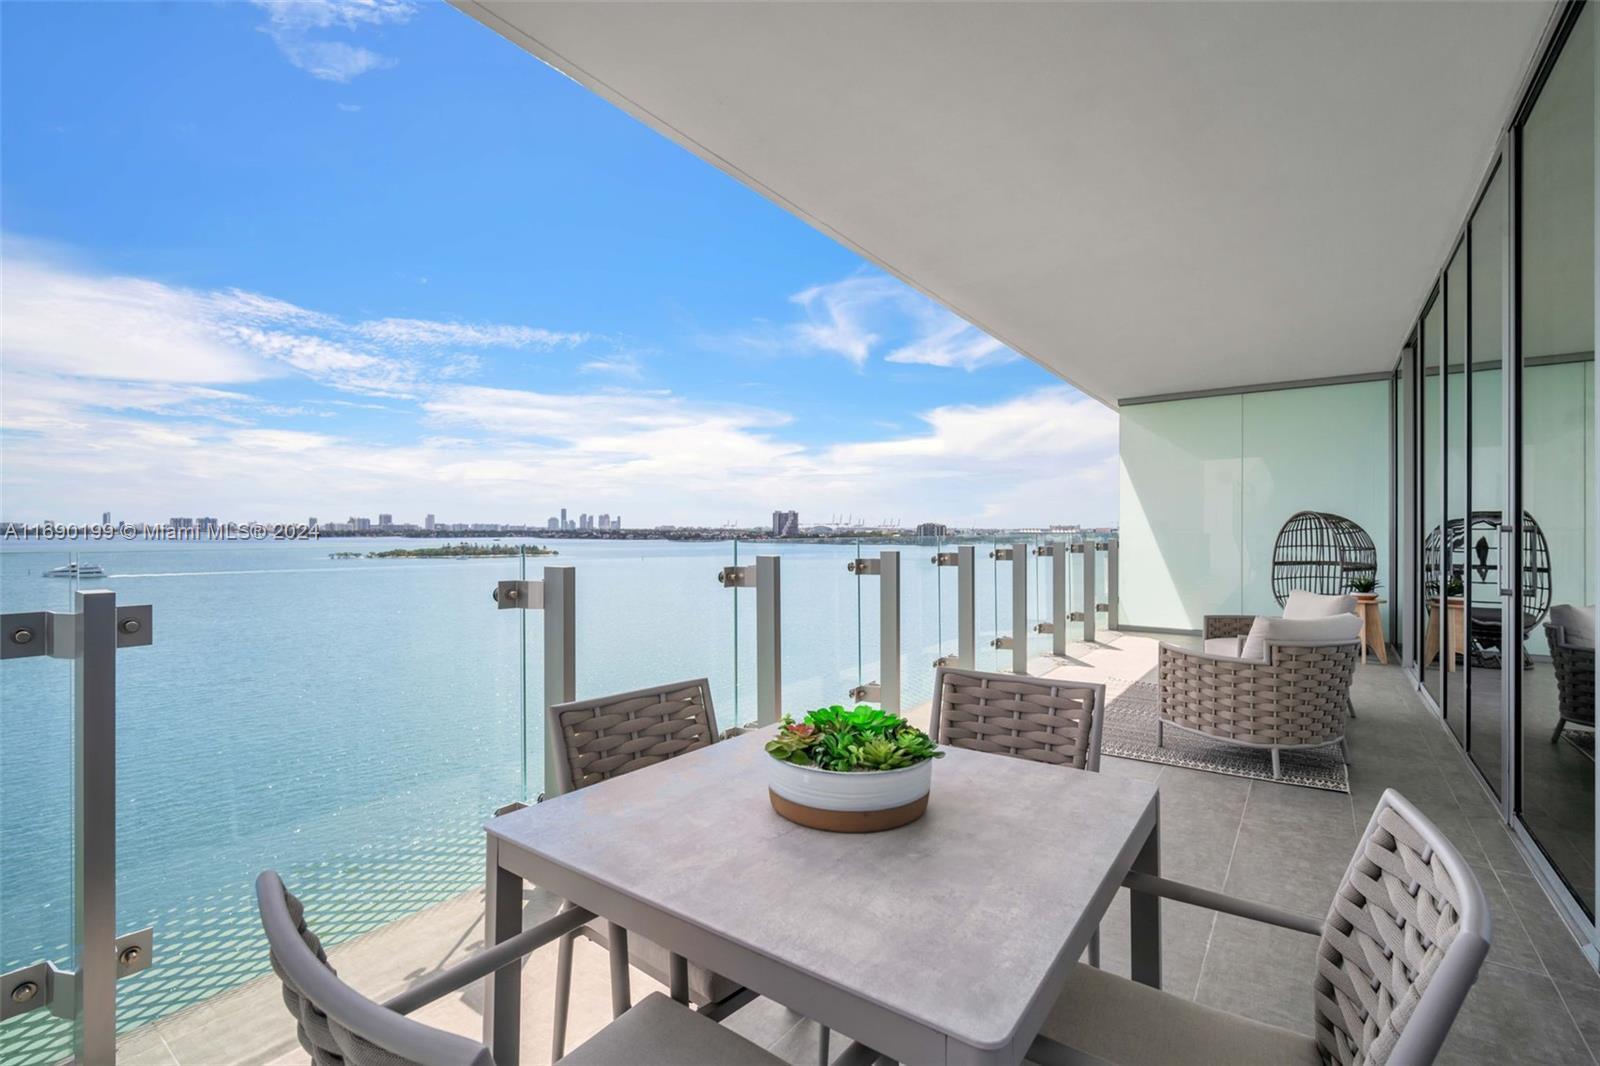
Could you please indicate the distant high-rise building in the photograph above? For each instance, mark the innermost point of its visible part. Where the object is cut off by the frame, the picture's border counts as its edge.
(105, 518)
(785, 523)
(604, 522)
(616, 523)
(181, 523)
(554, 523)
(386, 520)
(932, 529)
(586, 520)
(360, 523)
(207, 523)
(564, 519)
(312, 521)
(427, 522)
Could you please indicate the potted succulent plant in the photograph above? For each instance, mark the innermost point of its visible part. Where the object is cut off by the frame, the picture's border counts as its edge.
(1453, 588)
(1365, 586)
(850, 771)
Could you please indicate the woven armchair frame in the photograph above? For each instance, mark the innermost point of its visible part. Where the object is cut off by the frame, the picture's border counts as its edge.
(601, 738)
(1298, 698)
(1574, 669)
(1228, 625)
(1401, 945)
(1049, 721)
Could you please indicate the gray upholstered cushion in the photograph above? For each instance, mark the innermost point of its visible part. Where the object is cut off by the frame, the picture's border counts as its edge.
(1332, 629)
(1302, 605)
(1577, 621)
(1123, 1022)
(1229, 646)
(704, 986)
(658, 1031)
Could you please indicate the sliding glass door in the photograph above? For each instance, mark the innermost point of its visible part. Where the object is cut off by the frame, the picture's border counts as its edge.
(1555, 798)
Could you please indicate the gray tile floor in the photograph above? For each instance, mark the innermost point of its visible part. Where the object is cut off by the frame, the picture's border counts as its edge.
(1538, 1000)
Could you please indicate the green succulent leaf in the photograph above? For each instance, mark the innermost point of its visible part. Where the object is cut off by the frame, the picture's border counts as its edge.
(863, 738)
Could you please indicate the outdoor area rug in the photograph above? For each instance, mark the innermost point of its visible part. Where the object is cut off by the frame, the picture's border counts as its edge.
(1582, 739)
(1130, 733)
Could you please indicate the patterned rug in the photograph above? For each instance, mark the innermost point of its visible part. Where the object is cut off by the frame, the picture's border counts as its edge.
(1582, 739)
(1130, 733)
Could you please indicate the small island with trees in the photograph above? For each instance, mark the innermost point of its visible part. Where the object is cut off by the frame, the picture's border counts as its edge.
(463, 550)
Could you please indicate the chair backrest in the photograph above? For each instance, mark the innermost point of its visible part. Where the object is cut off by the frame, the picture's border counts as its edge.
(1402, 943)
(338, 1025)
(1050, 721)
(600, 738)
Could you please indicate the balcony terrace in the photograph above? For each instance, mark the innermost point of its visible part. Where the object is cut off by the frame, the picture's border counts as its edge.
(1536, 1001)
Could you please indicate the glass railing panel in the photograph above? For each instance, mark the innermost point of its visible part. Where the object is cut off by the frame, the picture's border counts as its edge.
(922, 622)
(329, 709)
(36, 798)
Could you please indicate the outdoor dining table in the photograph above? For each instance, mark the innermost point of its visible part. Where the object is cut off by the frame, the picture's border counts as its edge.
(945, 941)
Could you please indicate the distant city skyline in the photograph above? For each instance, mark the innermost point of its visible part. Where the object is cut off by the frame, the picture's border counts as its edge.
(273, 311)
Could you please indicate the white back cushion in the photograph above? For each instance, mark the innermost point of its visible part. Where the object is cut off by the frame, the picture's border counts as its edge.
(1303, 604)
(1334, 629)
(1577, 621)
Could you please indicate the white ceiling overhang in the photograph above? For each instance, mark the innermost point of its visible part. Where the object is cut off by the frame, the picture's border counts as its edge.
(1143, 198)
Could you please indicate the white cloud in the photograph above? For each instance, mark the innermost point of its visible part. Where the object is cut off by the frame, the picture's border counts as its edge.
(298, 27)
(152, 399)
(618, 366)
(66, 321)
(420, 333)
(858, 315)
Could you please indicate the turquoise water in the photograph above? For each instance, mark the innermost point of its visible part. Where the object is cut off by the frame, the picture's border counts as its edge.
(350, 723)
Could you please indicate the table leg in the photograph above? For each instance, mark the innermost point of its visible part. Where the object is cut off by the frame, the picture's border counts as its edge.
(1144, 911)
(621, 996)
(502, 1001)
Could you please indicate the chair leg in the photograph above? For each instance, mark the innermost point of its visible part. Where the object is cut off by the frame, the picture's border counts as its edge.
(1094, 949)
(822, 1048)
(1276, 774)
(1561, 723)
(1344, 750)
(1161, 733)
(558, 1022)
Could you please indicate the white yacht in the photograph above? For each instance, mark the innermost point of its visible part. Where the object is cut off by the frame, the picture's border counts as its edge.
(77, 570)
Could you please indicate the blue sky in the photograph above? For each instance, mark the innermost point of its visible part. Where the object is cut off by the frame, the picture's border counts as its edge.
(334, 258)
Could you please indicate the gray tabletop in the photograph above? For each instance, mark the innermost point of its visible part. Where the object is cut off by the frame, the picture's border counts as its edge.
(963, 924)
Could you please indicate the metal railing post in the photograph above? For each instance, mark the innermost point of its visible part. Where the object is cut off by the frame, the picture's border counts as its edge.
(87, 995)
(769, 640)
(1111, 584)
(886, 690)
(1060, 556)
(560, 655)
(1089, 601)
(557, 596)
(1019, 608)
(94, 856)
(966, 607)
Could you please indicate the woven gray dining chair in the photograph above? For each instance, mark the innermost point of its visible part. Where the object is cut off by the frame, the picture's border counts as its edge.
(1041, 719)
(338, 1026)
(608, 736)
(1398, 951)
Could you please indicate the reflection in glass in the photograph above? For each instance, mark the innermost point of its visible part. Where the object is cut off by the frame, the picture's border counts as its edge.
(1557, 802)
(1435, 581)
(1458, 539)
(1487, 236)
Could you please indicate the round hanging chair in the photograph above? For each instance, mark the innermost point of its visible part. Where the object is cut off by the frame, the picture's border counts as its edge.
(1320, 552)
(1469, 551)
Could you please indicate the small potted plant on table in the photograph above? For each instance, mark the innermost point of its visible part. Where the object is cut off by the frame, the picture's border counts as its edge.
(850, 771)
(1365, 586)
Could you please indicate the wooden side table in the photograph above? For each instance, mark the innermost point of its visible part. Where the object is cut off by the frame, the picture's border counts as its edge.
(1456, 638)
(1372, 629)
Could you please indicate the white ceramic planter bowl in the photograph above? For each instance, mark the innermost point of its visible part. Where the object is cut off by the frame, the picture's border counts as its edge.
(831, 790)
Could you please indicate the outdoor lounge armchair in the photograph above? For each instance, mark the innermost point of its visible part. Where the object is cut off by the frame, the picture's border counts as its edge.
(1290, 690)
(338, 1026)
(1570, 633)
(1045, 720)
(1400, 948)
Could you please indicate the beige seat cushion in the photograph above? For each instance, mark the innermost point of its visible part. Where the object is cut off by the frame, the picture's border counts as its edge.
(1229, 646)
(1578, 622)
(1330, 629)
(663, 1033)
(1302, 605)
(704, 986)
(1129, 1024)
